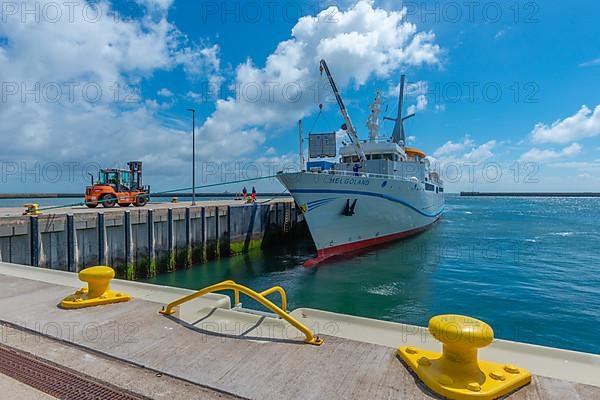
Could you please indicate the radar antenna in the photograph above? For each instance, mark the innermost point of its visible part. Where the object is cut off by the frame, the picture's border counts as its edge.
(373, 120)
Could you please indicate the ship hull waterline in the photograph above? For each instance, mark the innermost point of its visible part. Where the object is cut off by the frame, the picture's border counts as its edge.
(348, 214)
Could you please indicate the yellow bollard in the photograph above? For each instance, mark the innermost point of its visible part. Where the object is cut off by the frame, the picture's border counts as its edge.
(98, 291)
(32, 209)
(457, 373)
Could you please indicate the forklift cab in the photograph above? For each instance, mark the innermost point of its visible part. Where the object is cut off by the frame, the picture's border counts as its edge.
(117, 179)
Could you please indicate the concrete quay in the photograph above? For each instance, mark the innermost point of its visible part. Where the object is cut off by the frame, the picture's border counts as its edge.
(141, 242)
(210, 350)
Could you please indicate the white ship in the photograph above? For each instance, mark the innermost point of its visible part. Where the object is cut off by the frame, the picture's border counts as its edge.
(377, 191)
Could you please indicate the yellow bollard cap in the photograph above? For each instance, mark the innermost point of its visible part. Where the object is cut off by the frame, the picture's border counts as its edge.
(97, 273)
(459, 330)
(456, 373)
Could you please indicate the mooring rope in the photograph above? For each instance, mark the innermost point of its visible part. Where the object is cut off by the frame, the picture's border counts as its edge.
(268, 200)
(82, 203)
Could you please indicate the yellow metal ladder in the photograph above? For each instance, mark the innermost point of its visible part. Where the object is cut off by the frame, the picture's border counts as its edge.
(259, 297)
(286, 217)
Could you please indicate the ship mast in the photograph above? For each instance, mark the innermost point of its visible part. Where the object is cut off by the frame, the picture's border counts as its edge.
(300, 135)
(398, 132)
(348, 127)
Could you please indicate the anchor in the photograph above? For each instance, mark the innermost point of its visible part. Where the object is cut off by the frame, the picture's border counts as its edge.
(349, 209)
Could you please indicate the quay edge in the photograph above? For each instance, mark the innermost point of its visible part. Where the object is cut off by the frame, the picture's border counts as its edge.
(142, 242)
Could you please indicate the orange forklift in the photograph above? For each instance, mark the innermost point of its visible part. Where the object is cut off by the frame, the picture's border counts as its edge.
(118, 186)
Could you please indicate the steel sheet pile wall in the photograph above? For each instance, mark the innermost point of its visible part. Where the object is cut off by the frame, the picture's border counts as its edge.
(143, 242)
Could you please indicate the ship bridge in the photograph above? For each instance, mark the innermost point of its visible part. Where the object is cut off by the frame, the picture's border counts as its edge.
(388, 158)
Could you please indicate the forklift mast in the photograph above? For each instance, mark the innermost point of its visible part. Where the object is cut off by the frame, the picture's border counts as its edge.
(135, 169)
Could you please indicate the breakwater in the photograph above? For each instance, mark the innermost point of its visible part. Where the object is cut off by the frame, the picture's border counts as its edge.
(530, 194)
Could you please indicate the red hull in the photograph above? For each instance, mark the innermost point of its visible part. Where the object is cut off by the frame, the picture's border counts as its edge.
(349, 248)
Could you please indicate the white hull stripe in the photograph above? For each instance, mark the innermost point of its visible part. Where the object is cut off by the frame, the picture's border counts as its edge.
(371, 194)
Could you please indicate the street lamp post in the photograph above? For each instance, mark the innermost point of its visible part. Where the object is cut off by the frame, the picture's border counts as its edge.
(193, 111)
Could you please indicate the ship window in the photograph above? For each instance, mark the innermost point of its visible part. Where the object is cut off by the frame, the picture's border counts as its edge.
(441, 190)
(389, 157)
(354, 158)
(430, 187)
(376, 157)
(368, 156)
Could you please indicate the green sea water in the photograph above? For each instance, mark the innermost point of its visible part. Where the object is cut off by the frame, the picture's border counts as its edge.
(528, 266)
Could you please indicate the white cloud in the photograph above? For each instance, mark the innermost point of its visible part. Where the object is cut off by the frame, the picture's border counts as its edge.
(420, 106)
(197, 97)
(421, 102)
(571, 150)
(156, 4)
(582, 165)
(451, 147)
(201, 62)
(481, 152)
(270, 151)
(164, 92)
(109, 55)
(363, 42)
(501, 33)
(591, 63)
(461, 152)
(412, 89)
(105, 50)
(545, 155)
(416, 88)
(583, 124)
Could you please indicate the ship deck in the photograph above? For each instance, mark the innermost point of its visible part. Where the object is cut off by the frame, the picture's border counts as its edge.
(246, 366)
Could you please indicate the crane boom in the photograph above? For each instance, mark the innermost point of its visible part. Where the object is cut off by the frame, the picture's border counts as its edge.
(349, 127)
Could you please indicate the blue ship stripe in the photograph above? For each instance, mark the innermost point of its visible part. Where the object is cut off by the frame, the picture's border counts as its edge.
(318, 203)
(382, 196)
(310, 208)
(310, 203)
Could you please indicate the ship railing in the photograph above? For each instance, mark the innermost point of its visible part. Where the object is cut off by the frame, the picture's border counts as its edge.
(259, 297)
(364, 175)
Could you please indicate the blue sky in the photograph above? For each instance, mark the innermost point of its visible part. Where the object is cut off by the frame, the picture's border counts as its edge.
(497, 86)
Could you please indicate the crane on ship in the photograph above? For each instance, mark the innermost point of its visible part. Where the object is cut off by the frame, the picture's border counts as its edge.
(348, 126)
